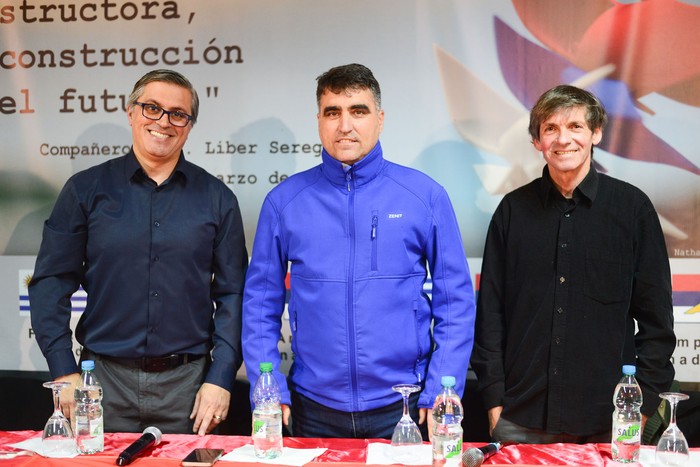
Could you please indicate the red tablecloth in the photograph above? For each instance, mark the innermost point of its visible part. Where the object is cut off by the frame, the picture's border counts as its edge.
(345, 452)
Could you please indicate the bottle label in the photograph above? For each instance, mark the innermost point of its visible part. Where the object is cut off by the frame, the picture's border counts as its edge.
(96, 427)
(452, 448)
(447, 451)
(259, 429)
(626, 441)
(627, 433)
(81, 424)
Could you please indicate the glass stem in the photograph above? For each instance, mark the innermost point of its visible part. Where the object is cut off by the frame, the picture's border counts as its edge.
(673, 403)
(56, 401)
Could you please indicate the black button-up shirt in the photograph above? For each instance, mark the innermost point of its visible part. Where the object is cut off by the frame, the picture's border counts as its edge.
(563, 282)
(163, 267)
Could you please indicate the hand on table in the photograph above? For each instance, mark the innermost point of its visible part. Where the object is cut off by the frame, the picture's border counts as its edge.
(210, 408)
(423, 414)
(67, 395)
(494, 415)
(286, 411)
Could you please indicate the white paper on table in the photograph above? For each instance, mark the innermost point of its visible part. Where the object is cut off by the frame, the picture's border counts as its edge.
(34, 444)
(290, 456)
(383, 453)
(647, 457)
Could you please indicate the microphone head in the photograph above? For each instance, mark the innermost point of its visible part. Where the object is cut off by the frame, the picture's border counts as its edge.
(472, 457)
(155, 432)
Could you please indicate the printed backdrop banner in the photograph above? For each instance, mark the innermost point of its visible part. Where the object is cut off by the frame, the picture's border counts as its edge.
(458, 79)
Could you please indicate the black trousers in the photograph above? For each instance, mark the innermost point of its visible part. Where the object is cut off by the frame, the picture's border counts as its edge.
(506, 430)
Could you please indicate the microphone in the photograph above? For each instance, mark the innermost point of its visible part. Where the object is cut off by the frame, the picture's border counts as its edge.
(151, 437)
(474, 457)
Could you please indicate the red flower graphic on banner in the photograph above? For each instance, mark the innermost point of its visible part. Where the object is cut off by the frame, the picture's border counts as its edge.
(620, 52)
(653, 44)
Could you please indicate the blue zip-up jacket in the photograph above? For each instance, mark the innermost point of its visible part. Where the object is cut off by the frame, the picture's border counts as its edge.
(360, 243)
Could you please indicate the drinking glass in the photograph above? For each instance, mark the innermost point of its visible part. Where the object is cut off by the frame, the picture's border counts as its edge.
(672, 449)
(407, 437)
(57, 440)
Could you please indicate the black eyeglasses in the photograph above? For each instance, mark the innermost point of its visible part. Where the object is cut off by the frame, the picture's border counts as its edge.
(155, 112)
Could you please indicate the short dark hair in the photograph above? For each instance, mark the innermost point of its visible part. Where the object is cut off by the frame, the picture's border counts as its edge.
(565, 97)
(167, 76)
(348, 77)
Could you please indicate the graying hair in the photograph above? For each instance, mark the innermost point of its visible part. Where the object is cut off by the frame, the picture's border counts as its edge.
(566, 97)
(166, 76)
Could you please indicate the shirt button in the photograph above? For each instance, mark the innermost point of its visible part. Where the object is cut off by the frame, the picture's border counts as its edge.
(556, 372)
(156, 223)
(557, 341)
(562, 279)
(568, 214)
(156, 258)
(155, 294)
(560, 310)
(564, 245)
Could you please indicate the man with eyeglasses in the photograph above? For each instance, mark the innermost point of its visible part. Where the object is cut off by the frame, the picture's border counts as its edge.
(158, 245)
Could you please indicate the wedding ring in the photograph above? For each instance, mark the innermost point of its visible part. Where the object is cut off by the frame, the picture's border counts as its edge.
(218, 417)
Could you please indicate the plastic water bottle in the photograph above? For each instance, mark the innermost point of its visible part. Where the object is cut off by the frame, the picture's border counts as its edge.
(89, 424)
(627, 418)
(267, 415)
(447, 429)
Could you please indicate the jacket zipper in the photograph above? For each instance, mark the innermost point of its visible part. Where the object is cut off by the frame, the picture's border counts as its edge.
(351, 280)
(420, 350)
(375, 222)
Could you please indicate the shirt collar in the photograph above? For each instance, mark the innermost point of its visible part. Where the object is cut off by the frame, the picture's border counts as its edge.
(183, 169)
(589, 186)
(587, 189)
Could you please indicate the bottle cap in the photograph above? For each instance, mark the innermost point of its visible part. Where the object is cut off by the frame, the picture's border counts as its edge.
(629, 369)
(87, 365)
(265, 367)
(448, 381)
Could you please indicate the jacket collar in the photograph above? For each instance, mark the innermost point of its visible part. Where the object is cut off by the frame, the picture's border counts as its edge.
(362, 171)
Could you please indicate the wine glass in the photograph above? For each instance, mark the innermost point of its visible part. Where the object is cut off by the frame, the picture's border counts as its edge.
(407, 436)
(672, 449)
(57, 440)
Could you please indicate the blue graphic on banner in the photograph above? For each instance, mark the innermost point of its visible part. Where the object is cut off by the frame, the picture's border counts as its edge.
(78, 300)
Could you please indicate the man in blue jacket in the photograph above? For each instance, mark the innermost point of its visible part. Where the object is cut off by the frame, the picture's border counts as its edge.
(361, 234)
